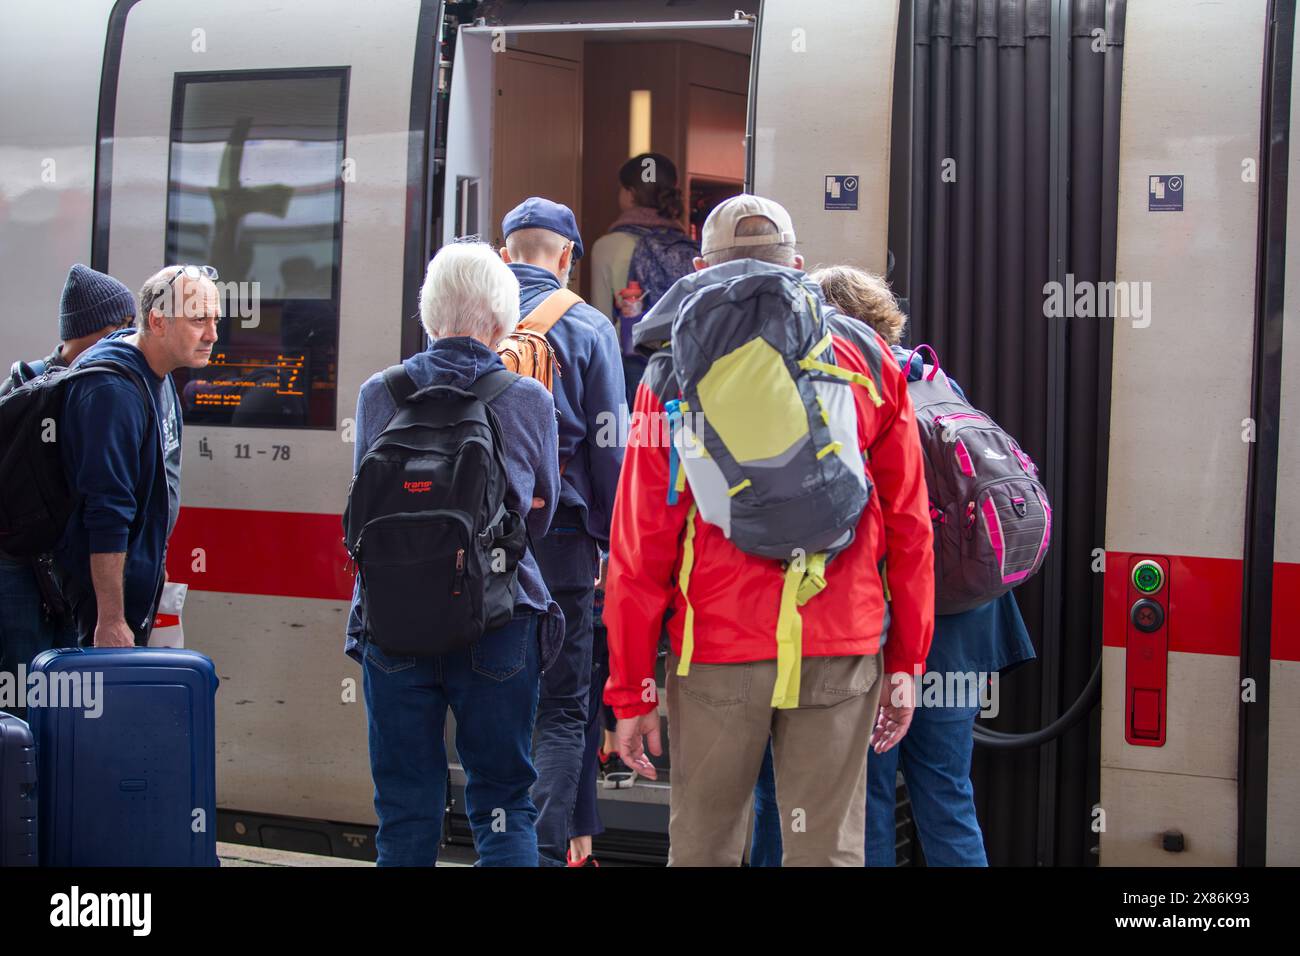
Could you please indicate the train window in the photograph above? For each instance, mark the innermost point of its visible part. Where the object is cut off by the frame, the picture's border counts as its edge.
(255, 190)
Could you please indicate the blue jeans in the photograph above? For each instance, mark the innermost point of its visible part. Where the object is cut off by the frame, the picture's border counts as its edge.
(765, 847)
(492, 690)
(935, 757)
(25, 630)
(567, 557)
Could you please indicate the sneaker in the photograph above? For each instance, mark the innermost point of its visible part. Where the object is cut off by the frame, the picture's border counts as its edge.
(614, 773)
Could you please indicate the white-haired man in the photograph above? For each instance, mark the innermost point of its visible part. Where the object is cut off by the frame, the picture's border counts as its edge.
(468, 303)
(725, 663)
(120, 438)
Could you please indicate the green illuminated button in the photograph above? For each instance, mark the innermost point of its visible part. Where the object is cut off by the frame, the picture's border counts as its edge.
(1148, 577)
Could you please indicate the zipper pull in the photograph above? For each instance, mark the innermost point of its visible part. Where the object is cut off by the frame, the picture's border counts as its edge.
(460, 573)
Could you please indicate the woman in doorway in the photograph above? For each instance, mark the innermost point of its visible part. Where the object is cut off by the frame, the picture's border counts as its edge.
(644, 252)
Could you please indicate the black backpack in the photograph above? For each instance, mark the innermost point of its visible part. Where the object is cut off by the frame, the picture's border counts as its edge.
(435, 548)
(35, 498)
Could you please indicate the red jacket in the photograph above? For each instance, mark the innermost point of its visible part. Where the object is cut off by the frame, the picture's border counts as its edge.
(736, 596)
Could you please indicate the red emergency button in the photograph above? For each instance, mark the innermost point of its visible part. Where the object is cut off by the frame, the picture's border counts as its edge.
(1146, 714)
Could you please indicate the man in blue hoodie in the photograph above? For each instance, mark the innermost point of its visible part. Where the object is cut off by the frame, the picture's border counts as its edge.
(121, 445)
(542, 243)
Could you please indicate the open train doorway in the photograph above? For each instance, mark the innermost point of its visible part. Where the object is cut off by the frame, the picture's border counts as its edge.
(552, 99)
(555, 110)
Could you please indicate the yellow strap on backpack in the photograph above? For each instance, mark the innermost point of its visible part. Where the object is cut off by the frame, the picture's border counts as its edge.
(683, 583)
(814, 579)
(789, 641)
(802, 583)
(847, 375)
(810, 362)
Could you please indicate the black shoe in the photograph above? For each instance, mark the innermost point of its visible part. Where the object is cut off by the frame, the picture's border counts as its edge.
(614, 773)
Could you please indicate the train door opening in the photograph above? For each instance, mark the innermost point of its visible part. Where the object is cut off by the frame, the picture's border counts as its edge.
(556, 110)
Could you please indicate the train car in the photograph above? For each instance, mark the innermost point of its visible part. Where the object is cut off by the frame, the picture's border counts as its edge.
(1006, 162)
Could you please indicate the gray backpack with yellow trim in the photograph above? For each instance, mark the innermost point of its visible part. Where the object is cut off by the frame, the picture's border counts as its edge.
(766, 430)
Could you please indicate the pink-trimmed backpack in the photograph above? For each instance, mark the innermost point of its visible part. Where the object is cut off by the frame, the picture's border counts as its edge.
(992, 520)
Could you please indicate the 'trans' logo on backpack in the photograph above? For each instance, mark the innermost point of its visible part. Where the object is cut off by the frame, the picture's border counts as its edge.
(417, 487)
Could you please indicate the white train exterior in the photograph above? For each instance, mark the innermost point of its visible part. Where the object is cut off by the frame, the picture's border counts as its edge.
(116, 149)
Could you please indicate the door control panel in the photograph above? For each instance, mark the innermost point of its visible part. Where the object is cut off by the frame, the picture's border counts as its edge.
(1146, 672)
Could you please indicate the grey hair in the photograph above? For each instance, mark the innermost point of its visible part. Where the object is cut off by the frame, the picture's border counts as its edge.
(155, 294)
(468, 290)
(777, 254)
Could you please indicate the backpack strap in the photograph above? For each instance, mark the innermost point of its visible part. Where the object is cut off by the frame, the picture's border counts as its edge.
(399, 383)
(487, 388)
(20, 373)
(544, 316)
(117, 368)
(933, 356)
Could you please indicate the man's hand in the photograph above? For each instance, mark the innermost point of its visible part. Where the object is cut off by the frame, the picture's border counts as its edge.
(632, 734)
(114, 633)
(897, 703)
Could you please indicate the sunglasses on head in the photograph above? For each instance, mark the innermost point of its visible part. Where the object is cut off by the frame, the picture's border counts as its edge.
(194, 272)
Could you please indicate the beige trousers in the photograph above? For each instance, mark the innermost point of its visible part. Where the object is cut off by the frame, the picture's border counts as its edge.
(720, 717)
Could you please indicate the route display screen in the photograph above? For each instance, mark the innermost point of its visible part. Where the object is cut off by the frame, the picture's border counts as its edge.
(249, 385)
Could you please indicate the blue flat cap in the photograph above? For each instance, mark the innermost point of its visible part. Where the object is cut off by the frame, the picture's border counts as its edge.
(538, 213)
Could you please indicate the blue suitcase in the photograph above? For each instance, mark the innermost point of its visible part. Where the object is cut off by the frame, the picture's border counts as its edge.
(17, 793)
(135, 785)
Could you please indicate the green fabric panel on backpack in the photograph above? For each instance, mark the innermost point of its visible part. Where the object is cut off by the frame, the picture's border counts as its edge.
(752, 403)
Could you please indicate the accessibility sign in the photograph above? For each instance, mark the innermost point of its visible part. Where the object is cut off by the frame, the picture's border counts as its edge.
(841, 192)
(1165, 193)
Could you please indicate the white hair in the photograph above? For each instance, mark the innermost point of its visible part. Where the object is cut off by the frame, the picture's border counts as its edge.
(468, 290)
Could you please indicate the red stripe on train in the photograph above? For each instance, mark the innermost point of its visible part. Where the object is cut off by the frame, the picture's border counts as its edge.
(1286, 612)
(1202, 602)
(281, 553)
(291, 554)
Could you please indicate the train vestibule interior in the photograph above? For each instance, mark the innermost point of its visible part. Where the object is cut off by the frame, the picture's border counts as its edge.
(568, 107)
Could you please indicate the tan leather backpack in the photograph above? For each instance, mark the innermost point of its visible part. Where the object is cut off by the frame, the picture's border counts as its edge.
(526, 350)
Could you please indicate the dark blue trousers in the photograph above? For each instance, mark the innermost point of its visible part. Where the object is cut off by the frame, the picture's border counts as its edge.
(568, 559)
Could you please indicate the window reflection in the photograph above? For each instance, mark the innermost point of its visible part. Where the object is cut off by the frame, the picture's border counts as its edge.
(255, 191)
